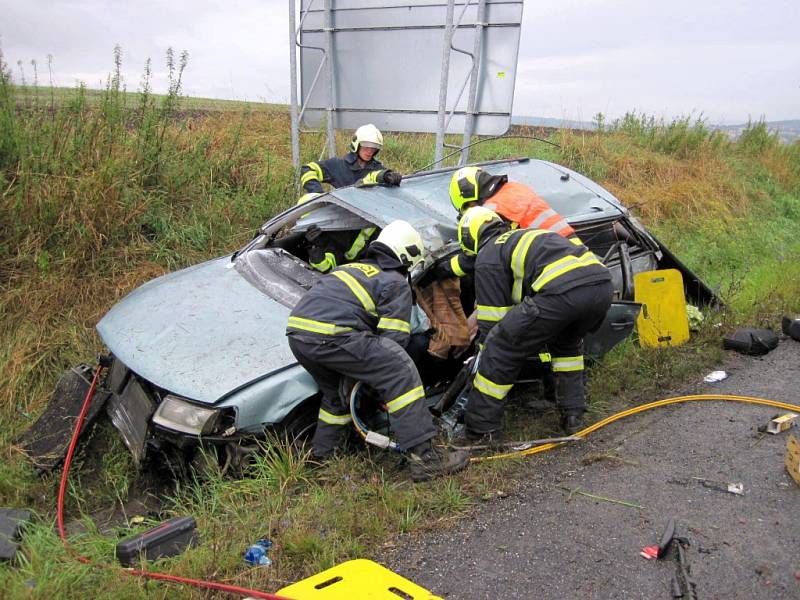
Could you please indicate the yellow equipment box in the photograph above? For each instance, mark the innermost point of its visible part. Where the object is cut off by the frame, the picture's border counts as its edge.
(663, 320)
(360, 578)
(793, 458)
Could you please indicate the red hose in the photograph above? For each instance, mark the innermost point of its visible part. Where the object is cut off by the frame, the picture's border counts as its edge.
(62, 490)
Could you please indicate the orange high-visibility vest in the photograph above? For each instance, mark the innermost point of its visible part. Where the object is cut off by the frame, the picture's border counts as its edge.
(520, 204)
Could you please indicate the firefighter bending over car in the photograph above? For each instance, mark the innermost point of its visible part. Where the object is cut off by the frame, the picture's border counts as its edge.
(329, 249)
(534, 290)
(515, 202)
(355, 323)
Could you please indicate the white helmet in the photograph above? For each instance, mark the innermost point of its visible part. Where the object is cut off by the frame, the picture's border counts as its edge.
(404, 241)
(367, 135)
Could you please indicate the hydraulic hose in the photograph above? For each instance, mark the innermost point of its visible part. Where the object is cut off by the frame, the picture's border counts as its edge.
(62, 488)
(638, 409)
(370, 437)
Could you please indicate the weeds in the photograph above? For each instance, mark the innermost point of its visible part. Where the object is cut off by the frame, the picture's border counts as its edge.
(280, 465)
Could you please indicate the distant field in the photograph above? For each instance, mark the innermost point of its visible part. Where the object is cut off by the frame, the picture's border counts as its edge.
(57, 96)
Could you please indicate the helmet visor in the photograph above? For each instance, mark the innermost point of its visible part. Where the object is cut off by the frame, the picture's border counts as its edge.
(374, 145)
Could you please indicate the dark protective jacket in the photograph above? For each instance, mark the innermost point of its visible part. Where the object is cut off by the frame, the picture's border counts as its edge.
(370, 295)
(339, 171)
(513, 264)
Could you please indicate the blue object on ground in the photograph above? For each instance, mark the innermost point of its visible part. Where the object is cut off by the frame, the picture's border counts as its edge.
(257, 553)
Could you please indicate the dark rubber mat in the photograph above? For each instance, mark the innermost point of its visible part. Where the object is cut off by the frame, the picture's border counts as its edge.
(46, 441)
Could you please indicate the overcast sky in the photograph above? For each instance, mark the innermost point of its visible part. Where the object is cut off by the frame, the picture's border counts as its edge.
(728, 60)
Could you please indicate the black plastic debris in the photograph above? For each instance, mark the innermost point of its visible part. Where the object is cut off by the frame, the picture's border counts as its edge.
(791, 327)
(12, 520)
(755, 342)
(46, 441)
(168, 539)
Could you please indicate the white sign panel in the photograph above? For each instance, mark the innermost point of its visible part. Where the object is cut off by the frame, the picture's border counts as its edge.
(387, 63)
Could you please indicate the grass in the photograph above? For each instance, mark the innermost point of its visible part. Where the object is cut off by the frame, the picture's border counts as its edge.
(101, 191)
(30, 96)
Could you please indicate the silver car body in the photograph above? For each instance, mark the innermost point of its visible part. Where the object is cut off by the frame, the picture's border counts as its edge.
(213, 334)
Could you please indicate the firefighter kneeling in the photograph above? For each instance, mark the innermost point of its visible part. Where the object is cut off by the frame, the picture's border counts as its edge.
(355, 323)
(534, 289)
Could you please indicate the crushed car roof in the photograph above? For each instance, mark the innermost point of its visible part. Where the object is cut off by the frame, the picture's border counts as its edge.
(424, 198)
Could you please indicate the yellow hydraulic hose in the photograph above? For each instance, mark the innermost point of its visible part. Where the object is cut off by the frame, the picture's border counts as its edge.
(642, 408)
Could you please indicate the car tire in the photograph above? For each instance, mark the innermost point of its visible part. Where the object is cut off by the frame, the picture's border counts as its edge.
(300, 424)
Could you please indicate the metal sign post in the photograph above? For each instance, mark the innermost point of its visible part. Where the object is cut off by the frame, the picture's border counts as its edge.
(330, 56)
(469, 126)
(293, 88)
(446, 45)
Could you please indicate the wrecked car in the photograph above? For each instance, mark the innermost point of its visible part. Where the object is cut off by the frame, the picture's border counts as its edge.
(200, 356)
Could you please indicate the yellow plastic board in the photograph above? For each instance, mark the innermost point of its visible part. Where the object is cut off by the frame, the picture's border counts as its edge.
(360, 578)
(792, 459)
(663, 320)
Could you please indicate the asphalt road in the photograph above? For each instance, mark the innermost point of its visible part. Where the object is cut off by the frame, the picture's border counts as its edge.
(546, 540)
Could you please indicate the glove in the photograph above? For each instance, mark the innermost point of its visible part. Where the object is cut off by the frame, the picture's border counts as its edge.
(313, 233)
(389, 177)
(443, 271)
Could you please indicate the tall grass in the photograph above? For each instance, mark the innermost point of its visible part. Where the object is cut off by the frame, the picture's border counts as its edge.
(98, 197)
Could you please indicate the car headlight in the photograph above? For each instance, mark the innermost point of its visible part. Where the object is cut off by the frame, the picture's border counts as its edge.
(175, 413)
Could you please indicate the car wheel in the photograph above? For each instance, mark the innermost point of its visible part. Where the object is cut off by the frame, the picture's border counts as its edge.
(300, 424)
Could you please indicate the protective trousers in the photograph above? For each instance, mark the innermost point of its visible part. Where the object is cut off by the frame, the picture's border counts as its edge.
(378, 362)
(555, 321)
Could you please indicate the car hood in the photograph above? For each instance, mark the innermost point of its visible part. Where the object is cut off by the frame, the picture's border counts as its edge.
(201, 333)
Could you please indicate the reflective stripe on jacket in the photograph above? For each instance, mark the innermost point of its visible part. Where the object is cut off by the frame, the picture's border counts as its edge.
(356, 297)
(524, 262)
(339, 171)
(518, 203)
(458, 265)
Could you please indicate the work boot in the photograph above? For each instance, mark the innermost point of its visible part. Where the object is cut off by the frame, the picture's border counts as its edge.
(426, 461)
(572, 423)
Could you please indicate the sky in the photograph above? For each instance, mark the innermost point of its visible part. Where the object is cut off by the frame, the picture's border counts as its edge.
(726, 61)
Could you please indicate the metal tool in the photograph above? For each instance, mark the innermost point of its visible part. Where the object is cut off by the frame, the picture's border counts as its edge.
(521, 445)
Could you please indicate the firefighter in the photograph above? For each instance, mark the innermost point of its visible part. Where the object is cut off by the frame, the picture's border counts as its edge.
(329, 249)
(534, 290)
(513, 201)
(357, 166)
(355, 323)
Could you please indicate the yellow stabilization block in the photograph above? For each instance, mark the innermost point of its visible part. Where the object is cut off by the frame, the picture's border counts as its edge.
(663, 320)
(360, 578)
(793, 458)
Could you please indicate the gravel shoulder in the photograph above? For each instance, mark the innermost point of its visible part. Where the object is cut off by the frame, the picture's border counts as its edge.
(547, 540)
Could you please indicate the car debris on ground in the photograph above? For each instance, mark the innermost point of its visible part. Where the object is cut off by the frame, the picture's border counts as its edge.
(166, 539)
(791, 327)
(12, 522)
(749, 340)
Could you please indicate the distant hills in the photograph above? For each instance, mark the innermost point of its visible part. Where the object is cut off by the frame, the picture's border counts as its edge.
(788, 131)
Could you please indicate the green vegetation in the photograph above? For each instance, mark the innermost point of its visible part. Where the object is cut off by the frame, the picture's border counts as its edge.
(101, 191)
